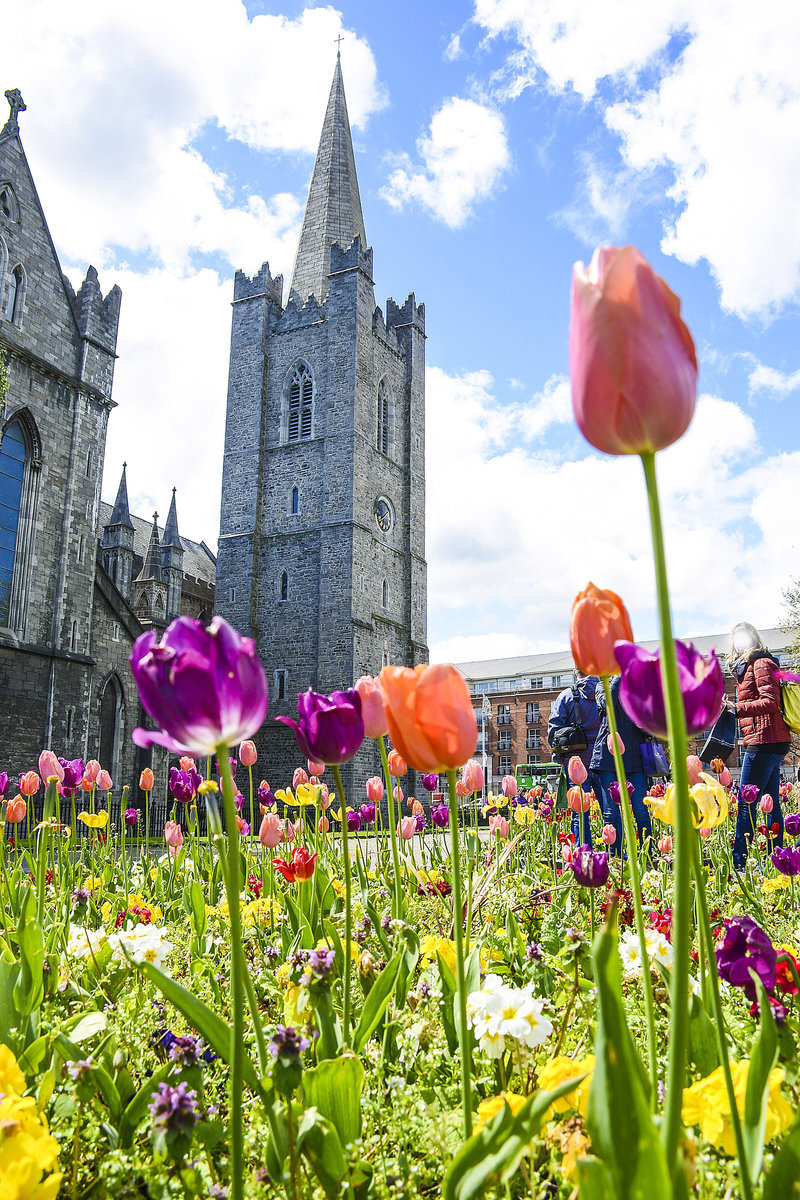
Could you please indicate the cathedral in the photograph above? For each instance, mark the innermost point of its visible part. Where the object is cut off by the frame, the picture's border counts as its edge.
(79, 579)
(322, 527)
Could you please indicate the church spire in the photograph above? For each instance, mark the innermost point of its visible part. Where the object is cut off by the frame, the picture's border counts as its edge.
(151, 568)
(122, 513)
(333, 210)
(171, 535)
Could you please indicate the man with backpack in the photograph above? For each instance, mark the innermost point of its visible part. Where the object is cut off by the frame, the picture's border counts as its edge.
(571, 730)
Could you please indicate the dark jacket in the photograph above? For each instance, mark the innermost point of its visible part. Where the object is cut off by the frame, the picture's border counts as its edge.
(632, 736)
(562, 713)
(758, 701)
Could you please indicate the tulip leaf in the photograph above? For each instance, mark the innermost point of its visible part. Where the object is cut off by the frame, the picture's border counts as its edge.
(9, 1018)
(334, 1088)
(756, 1098)
(29, 986)
(703, 1050)
(782, 1181)
(594, 1181)
(376, 1002)
(87, 1026)
(618, 1115)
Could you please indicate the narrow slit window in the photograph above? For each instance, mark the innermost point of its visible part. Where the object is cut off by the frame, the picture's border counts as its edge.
(295, 501)
(284, 588)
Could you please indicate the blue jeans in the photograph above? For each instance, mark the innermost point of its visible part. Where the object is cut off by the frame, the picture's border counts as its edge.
(612, 814)
(763, 770)
(580, 825)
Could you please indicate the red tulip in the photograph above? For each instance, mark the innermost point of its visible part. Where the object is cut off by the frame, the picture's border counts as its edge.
(430, 716)
(299, 868)
(632, 360)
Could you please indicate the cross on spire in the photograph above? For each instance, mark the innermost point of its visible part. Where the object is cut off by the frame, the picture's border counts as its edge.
(17, 105)
(338, 41)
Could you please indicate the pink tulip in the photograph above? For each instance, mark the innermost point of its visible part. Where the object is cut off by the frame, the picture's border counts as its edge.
(576, 770)
(50, 767)
(375, 789)
(300, 778)
(725, 777)
(579, 800)
(695, 769)
(407, 827)
(271, 831)
(373, 706)
(248, 755)
(315, 768)
(766, 803)
(324, 797)
(91, 770)
(324, 824)
(510, 787)
(187, 764)
(398, 794)
(665, 844)
(172, 835)
(29, 783)
(291, 832)
(632, 360)
(610, 744)
(498, 826)
(104, 780)
(609, 835)
(462, 790)
(472, 776)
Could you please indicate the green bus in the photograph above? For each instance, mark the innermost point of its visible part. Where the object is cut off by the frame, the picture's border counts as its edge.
(530, 775)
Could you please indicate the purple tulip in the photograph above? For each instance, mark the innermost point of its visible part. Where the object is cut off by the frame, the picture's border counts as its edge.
(642, 695)
(748, 793)
(792, 825)
(330, 729)
(440, 815)
(589, 866)
(615, 793)
(745, 948)
(73, 774)
(353, 822)
(183, 785)
(131, 817)
(421, 822)
(204, 687)
(367, 812)
(4, 784)
(238, 800)
(786, 860)
(430, 782)
(265, 796)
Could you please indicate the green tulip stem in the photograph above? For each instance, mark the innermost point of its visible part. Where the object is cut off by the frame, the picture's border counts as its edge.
(719, 1018)
(49, 808)
(461, 982)
(636, 890)
(252, 833)
(684, 833)
(348, 905)
(397, 906)
(238, 969)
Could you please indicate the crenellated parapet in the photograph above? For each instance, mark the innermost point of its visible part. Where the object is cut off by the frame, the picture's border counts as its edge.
(98, 316)
(386, 335)
(298, 316)
(260, 285)
(354, 257)
(409, 313)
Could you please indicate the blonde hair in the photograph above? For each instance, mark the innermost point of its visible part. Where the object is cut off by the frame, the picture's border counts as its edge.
(745, 638)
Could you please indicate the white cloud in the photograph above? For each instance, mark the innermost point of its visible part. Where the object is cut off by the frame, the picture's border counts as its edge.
(552, 406)
(769, 379)
(719, 108)
(463, 157)
(528, 531)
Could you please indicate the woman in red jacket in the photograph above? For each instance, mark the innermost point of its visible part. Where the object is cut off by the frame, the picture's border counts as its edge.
(765, 734)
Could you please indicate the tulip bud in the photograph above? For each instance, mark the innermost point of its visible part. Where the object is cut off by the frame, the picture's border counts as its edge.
(610, 744)
(725, 777)
(373, 710)
(665, 844)
(50, 767)
(406, 827)
(248, 755)
(271, 831)
(609, 835)
(300, 778)
(576, 770)
(29, 783)
(462, 790)
(510, 787)
(91, 770)
(375, 789)
(315, 768)
(498, 826)
(187, 764)
(146, 779)
(598, 620)
(172, 835)
(578, 800)
(766, 803)
(397, 765)
(16, 810)
(398, 794)
(323, 824)
(473, 776)
(695, 769)
(104, 780)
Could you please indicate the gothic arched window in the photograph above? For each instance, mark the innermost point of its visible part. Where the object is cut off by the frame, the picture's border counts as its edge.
(385, 594)
(299, 423)
(110, 720)
(15, 294)
(385, 419)
(20, 463)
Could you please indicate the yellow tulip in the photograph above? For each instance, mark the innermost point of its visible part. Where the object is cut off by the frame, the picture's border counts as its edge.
(663, 807)
(711, 802)
(94, 820)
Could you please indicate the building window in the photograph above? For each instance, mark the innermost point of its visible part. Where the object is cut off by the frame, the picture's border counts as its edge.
(504, 714)
(532, 713)
(385, 594)
(81, 548)
(533, 741)
(89, 460)
(20, 463)
(483, 744)
(12, 473)
(504, 739)
(110, 712)
(281, 684)
(557, 681)
(115, 632)
(504, 764)
(232, 595)
(8, 203)
(534, 758)
(15, 295)
(73, 641)
(300, 404)
(537, 683)
(295, 502)
(385, 419)
(284, 588)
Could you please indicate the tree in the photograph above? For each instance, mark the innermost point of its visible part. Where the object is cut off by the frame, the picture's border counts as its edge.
(791, 623)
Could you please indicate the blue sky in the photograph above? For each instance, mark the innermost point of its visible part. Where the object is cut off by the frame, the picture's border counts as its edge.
(497, 142)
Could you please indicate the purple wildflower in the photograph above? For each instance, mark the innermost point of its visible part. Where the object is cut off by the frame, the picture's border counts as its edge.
(286, 1042)
(745, 948)
(533, 952)
(185, 1051)
(174, 1109)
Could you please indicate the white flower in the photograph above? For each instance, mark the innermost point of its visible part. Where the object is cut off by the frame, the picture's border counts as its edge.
(140, 943)
(630, 954)
(499, 1012)
(83, 943)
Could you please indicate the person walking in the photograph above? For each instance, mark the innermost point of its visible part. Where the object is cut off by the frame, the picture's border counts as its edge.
(766, 736)
(576, 708)
(605, 774)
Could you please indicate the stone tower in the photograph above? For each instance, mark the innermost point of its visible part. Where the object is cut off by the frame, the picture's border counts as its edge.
(322, 531)
(117, 542)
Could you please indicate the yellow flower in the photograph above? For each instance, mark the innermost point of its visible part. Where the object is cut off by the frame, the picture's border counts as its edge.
(294, 1002)
(489, 1108)
(559, 1069)
(27, 1151)
(93, 881)
(663, 806)
(494, 803)
(338, 888)
(287, 796)
(524, 814)
(11, 1078)
(705, 1103)
(94, 820)
(432, 945)
(711, 802)
(775, 883)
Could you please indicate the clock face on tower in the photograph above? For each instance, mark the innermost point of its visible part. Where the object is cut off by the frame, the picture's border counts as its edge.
(384, 515)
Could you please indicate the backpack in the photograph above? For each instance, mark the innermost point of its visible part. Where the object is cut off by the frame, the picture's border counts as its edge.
(790, 699)
(570, 739)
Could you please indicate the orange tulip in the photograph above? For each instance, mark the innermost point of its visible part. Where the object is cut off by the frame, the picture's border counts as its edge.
(29, 783)
(578, 800)
(430, 716)
(16, 810)
(146, 780)
(599, 619)
(397, 765)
